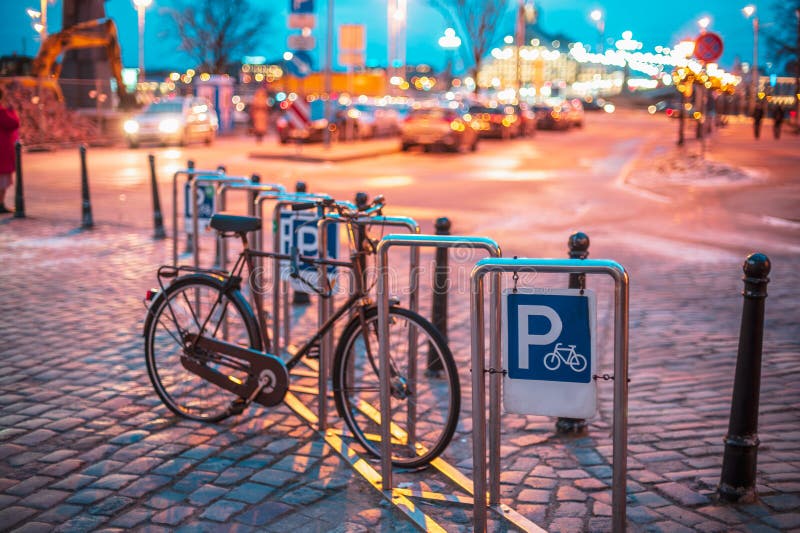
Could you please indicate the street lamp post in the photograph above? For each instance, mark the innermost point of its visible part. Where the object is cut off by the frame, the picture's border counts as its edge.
(597, 17)
(749, 11)
(450, 42)
(141, 6)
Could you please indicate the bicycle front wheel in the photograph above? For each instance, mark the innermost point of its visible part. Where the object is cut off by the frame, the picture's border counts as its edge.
(425, 392)
(189, 304)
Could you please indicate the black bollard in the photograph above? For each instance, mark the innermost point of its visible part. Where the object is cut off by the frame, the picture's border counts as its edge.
(19, 197)
(251, 208)
(578, 249)
(86, 219)
(299, 297)
(738, 481)
(191, 205)
(440, 286)
(362, 201)
(158, 219)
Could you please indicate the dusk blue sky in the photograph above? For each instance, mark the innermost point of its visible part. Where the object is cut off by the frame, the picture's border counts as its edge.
(665, 24)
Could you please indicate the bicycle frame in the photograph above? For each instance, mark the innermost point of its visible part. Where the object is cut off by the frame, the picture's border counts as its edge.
(247, 258)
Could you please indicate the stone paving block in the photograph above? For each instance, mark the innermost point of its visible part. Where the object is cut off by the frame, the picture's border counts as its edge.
(29, 485)
(44, 499)
(81, 523)
(681, 494)
(251, 492)
(34, 527)
(132, 518)
(265, 514)
(173, 515)
(143, 485)
(57, 456)
(11, 516)
(165, 498)
(111, 505)
(206, 494)
(173, 467)
(302, 496)
(102, 468)
(784, 521)
(233, 475)
(114, 481)
(222, 510)
(60, 513)
(141, 465)
(74, 482)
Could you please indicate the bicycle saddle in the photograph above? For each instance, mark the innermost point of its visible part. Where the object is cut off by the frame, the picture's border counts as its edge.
(231, 223)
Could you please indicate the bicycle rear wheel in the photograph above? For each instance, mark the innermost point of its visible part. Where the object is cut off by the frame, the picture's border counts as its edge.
(179, 311)
(425, 404)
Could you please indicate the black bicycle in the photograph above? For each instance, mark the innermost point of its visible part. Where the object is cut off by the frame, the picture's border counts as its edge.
(208, 358)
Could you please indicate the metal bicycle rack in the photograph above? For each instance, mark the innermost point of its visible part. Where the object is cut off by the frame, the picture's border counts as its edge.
(190, 173)
(398, 496)
(326, 304)
(496, 267)
(252, 187)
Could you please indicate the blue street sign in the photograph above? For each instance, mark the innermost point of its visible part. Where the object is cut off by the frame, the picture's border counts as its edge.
(301, 6)
(548, 351)
(204, 202)
(553, 337)
(300, 64)
(300, 229)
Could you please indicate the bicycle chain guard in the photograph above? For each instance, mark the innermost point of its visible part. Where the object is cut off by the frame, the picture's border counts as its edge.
(264, 369)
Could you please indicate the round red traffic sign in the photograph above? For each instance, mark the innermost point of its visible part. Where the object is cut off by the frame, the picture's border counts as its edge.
(708, 47)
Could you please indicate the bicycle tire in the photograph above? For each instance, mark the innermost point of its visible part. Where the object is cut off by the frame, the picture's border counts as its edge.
(578, 363)
(437, 400)
(179, 306)
(555, 361)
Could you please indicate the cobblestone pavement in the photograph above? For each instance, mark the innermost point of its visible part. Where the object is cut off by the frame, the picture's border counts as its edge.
(85, 444)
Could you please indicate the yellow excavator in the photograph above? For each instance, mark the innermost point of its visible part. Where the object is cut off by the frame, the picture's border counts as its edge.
(45, 68)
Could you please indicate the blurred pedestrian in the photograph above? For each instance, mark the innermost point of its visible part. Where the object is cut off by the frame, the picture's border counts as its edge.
(259, 114)
(9, 132)
(777, 119)
(758, 114)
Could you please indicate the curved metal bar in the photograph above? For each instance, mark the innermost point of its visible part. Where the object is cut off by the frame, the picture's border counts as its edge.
(444, 241)
(219, 178)
(620, 431)
(189, 172)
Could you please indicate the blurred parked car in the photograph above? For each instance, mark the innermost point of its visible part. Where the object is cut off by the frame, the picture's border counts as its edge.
(551, 116)
(591, 103)
(527, 119)
(365, 121)
(499, 122)
(574, 112)
(179, 120)
(438, 126)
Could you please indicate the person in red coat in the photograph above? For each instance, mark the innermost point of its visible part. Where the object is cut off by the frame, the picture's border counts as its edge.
(9, 131)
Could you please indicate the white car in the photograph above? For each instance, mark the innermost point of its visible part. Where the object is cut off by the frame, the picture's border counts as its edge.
(178, 120)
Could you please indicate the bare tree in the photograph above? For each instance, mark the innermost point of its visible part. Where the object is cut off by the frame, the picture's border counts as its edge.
(478, 22)
(215, 32)
(783, 40)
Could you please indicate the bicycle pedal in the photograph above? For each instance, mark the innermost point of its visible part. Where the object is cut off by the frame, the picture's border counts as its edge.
(237, 407)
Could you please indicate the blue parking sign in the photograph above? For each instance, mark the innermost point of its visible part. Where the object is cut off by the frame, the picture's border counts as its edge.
(548, 351)
(299, 229)
(204, 202)
(301, 6)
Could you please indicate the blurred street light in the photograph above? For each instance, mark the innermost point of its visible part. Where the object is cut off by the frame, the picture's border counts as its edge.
(141, 6)
(750, 11)
(450, 42)
(704, 22)
(599, 20)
